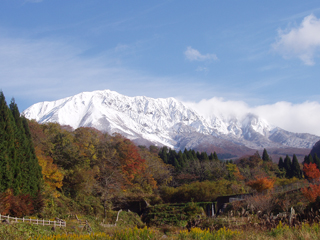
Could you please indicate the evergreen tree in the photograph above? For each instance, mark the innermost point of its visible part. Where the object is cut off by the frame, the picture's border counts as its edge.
(215, 156)
(163, 154)
(181, 160)
(176, 164)
(265, 156)
(189, 155)
(194, 154)
(316, 160)
(20, 154)
(185, 152)
(6, 145)
(295, 168)
(287, 166)
(19, 167)
(203, 156)
(172, 156)
(308, 159)
(198, 156)
(34, 167)
(281, 164)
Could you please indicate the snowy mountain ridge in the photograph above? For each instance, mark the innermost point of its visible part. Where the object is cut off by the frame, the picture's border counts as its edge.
(162, 121)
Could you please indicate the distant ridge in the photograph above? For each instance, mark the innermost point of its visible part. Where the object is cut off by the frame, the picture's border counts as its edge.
(165, 121)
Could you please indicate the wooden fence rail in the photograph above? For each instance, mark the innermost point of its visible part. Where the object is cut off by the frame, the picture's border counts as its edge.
(35, 221)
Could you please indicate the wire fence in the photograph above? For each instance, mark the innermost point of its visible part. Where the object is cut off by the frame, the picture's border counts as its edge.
(58, 223)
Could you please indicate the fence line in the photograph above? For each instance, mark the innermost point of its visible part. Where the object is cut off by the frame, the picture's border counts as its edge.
(42, 222)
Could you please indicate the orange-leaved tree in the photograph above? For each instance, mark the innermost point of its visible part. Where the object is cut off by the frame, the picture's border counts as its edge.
(261, 183)
(132, 166)
(312, 173)
(311, 192)
(17, 206)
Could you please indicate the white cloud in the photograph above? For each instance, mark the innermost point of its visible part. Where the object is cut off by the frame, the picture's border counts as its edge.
(194, 55)
(300, 118)
(220, 108)
(302, 42)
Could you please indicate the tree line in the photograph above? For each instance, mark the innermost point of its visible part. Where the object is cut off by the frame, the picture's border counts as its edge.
(20, 173)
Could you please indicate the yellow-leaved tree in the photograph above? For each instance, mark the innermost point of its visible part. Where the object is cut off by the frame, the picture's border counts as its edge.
(261, 183)
(52, 175)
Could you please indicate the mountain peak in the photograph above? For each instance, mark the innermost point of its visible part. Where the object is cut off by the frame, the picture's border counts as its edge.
(160, 121)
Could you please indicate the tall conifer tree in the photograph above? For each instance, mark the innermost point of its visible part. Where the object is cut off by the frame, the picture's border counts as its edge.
(35, 168)
(19, 167)
(215, 156)
(265, 156)
(295, 168)
(308, 159)
(6, 145)
(20, 154)
(281, 164)
(287, 166)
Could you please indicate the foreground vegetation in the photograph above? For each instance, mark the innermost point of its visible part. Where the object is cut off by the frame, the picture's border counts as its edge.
(26, 231)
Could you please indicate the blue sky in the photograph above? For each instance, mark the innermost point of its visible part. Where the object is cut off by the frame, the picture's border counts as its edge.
(258, 56)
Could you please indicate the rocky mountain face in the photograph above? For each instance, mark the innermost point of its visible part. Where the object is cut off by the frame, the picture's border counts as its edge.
(165, 122)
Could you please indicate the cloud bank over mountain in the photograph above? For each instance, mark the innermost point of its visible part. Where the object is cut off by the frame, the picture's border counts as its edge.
(299, 118)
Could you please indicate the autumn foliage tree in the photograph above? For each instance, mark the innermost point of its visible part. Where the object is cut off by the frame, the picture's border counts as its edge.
(131, 162)
(261, 183)
(132, 166)
(312, 173)
(233, 172)
(52, 175)
(19, 205)
(311, 192)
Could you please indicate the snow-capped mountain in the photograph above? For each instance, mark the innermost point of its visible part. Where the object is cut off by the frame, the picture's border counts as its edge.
(163, 121)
